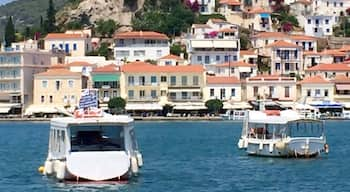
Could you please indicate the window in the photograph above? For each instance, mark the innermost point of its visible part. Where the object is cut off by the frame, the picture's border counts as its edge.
(51, 99)
(44, 84)
(315, 30)
(317, 21)
(42, 99)
(58, 85)
(122, 53)
(233, 92)
(142, 93)
(131, 80)
(70, 83)
(271, 91)
(326, 92)
(184, 80)
(327, 21)
(131, 94)
(226, 58)
(278, 66)
(167, 62)
(173, 80)
(266, 42)
(341, 4)
(163, 93)
(159, 53)
(163, 79)
(232, 71)
(234, 58)
(206, 59)
(153, 94)
(217, 58)
(335, 4)
(287, 66)
(222, 93)
(153, 80)
(74, 46)
(286, 92)
(72, 98)
(308, 92)
(184, 95)
(309, 21)
(327, 30)
(318, 92)
(211, 92)
(296, 54)
(195, 80)
(255, 91)
(142, 80)
(199, 58)
(139, 53)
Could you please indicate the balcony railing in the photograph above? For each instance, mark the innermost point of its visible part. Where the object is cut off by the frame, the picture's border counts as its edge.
(192, 98)
(141, 45)
(149, 98)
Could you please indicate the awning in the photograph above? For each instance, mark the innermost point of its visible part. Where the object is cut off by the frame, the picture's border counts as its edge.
(201, 44)
(44, 109)
(225, 44)
(184, 90)
(244, 69)
(343, 86)
(264, 15)
(326, 104)
(236, 105)
(143, 107)
(189, 106)
(6, 107)
(105, 77)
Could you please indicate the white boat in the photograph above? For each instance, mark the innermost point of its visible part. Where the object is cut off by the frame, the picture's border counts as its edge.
(282, 134)
(92, 147)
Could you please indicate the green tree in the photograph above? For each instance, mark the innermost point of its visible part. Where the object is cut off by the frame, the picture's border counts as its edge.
(106, 28)
(10, 35)
(201, 19)
(176, 49)
(116, 105)
(104, 50)
(74, 25)
(50, 23)
(167, 109)
(214, 106)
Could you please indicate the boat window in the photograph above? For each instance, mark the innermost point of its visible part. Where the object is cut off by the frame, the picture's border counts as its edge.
(97, 138)
(305, 129)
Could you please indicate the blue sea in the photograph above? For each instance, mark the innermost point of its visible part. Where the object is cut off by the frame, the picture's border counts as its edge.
(183, 156)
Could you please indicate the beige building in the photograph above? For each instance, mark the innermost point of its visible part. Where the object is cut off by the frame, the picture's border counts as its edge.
(223, 88)
(56, 89)
(316, 88)
(271, 87)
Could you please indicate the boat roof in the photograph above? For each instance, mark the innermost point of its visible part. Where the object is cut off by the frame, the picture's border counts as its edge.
(106, 119)
(283, 118)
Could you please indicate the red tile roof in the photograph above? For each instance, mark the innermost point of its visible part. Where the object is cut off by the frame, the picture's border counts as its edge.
(141, 35)
(235, 64)
(247, 52)
(58, 72)
(330, 67)
(311, 53)
(143, 67)
(171, 56)
(341, 78)
(107, 68)
(257, 10)
(63, 36)
(282, 43)
(230, 2)
(222, 80)
(79, 64)
(283, 35)
(303, 37)
(345, 48)
(314, 80)
(227, 30)
(333, 52)
(305, 2)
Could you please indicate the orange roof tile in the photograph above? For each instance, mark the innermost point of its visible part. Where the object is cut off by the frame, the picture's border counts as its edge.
(283, 35)
(257, 10)
(282, 43)
(222, 80)
(305, 2)
(230, 2)
(171, 56)
(345, 48)
(141, 35)
(235, 64)
(79, 63)
(333, 52)
(314, 80)
(311, 53)
(270, 78)
(302, 37)
(227, 30)
(341, 78)
(247, 52)
(58, 72)
(330, 67)
(143, 67)
(107, 68)
(63, 36)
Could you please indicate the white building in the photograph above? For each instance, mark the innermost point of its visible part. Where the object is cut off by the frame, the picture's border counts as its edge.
(206, 7)
(223, 88)
(238, 69)
(330, 7)
(140, 46)
(319, 26)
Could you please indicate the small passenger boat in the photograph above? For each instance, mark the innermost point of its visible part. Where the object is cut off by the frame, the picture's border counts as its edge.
(92, 146)
(282, 134)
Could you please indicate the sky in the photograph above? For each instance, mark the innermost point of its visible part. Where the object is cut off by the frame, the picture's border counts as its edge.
(4, 1)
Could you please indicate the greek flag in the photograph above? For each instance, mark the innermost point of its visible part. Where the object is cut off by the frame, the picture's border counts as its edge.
(88, 99)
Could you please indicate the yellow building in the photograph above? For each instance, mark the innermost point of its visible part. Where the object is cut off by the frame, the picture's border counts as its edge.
(149, 87)
(55, 90)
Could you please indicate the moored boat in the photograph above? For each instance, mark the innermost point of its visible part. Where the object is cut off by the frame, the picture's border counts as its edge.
(282, 134)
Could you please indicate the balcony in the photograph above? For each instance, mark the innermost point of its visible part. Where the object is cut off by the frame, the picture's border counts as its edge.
(185, 99)
(141, 45)
(143, 99)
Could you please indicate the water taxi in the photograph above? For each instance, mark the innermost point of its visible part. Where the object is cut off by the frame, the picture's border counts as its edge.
(92, 148)
(282, 134)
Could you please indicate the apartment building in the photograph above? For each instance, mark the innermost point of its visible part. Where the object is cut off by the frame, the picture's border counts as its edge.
(73, 44)
(224, 88)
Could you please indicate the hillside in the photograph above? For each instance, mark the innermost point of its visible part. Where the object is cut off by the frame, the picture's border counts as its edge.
(26, 12)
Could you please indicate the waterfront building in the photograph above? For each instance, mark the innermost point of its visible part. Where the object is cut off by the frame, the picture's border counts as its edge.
(316, 88)
(56, 90)
(342, 89)
(270, 87)
(238, 69)
(149, 87)
(71, 44)
(172, 60)
(225, 88)
(82, 67)
(140, 46)
(286, 58)
(329, 71)
(208, 45)
(106, 80)
(17, 68)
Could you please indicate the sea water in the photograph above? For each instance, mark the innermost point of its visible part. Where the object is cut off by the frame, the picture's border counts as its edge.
(183, 156)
